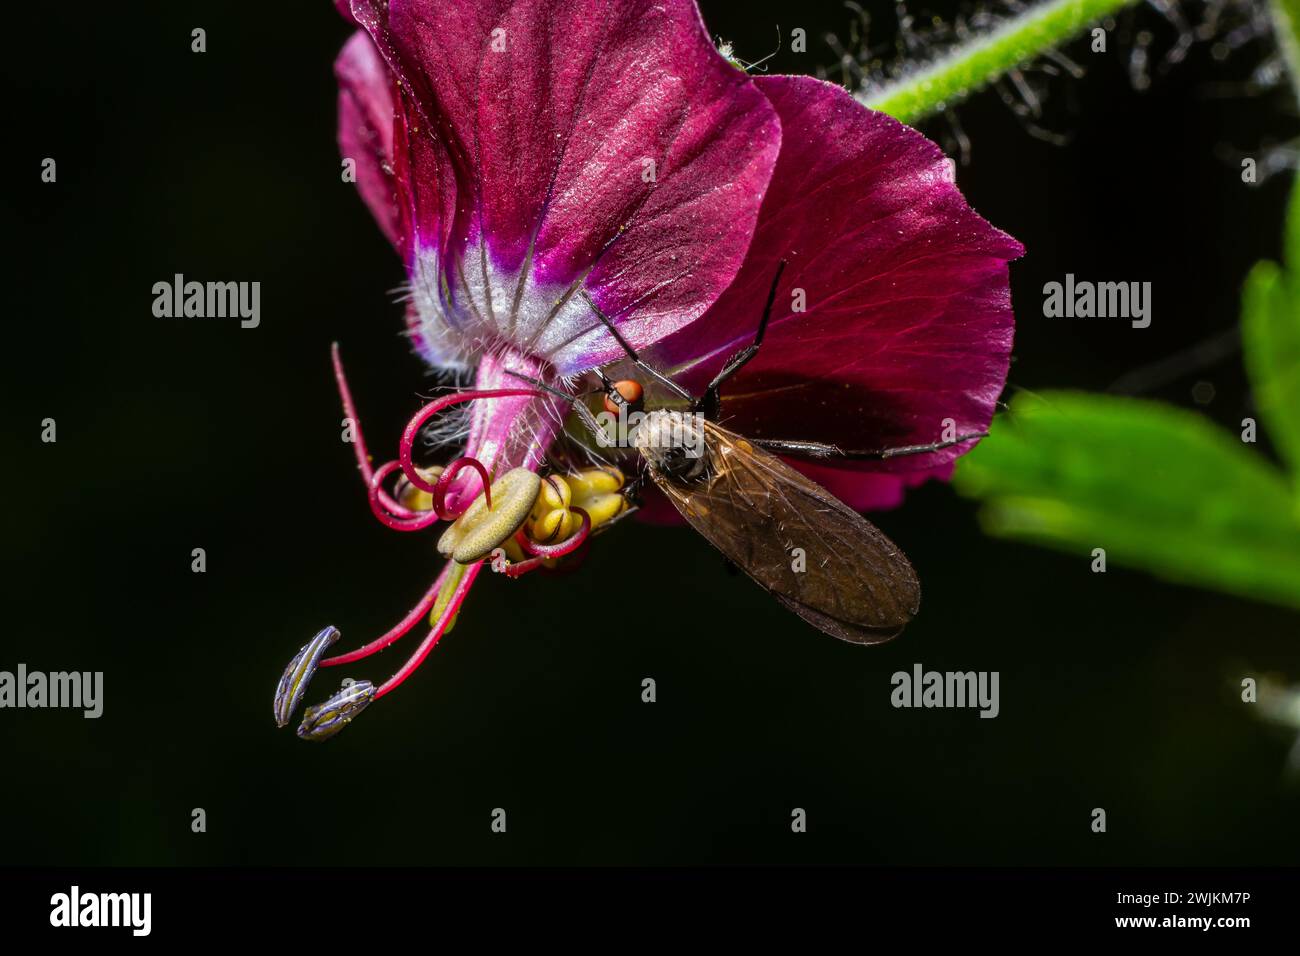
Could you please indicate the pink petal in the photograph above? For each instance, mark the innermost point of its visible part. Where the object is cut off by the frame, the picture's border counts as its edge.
(908, 316)
(511, 431)
(550, 112)
(366, 127)
(868, 491)
(404, 179)
(344, 7)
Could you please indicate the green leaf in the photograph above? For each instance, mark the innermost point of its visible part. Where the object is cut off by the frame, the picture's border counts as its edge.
(1292, 237)
(1270, 332)
(1286, 26)
(1159, 488)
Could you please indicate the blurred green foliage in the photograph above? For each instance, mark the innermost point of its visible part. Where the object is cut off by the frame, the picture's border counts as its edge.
(1270, 330)
(1155, 486)
(1158, 487)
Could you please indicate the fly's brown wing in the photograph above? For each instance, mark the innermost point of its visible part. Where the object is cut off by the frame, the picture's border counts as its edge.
(855, 583)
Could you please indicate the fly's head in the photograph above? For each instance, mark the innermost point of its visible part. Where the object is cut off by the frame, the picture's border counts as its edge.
(625, 394)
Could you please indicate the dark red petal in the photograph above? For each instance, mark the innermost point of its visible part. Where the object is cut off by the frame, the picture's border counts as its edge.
(366, 127)
(908, 315)
(549, 114)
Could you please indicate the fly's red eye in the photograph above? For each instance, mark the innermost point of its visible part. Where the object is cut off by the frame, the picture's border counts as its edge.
(629, 390)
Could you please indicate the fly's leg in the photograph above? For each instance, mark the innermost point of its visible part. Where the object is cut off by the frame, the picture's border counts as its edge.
(710, 403)
(813, 449)
(631, 353)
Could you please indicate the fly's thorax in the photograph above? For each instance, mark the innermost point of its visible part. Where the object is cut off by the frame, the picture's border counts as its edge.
(673, 443)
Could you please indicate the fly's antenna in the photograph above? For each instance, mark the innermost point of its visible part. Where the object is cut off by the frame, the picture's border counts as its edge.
(537, 383)
(631, 352)
(583, 412)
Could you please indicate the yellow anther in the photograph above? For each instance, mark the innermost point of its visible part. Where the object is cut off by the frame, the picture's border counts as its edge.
(413, 498)
(595, 490)
(603, 508)
(549, 522)
(595, 481)
(512, 550)
(473, 535)
(549, 527)
(555, 494)
(543, 507)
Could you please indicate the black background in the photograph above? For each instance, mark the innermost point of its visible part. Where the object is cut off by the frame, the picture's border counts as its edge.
(1117, 690)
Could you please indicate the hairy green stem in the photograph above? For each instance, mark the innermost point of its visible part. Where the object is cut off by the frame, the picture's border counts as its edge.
(981, 60)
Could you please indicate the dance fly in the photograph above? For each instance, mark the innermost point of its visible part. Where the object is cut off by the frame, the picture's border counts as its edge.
(813, 553)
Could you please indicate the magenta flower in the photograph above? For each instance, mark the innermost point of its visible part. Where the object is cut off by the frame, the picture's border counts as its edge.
(531, 159)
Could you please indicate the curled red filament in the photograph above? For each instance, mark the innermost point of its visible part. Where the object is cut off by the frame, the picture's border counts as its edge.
(413, 427)
(544, 552)
(390, 512)
(443, 484)
(379, 504)
(440, 511)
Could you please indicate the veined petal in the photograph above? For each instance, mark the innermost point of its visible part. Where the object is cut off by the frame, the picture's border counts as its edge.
(907, 316)
(869, 491)
(512, 431)
(598, 145)
(366, 128)
(344, 7)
